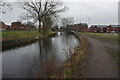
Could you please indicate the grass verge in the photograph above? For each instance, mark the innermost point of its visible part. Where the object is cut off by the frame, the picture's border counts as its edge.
(113, 53)
(107, 37)
(13, 35)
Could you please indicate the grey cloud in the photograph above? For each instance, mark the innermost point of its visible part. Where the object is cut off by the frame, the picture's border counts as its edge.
(99, 12)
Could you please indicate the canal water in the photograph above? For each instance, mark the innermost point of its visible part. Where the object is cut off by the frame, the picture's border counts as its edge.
(34, 59)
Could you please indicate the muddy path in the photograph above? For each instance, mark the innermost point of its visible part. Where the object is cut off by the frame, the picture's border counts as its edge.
(99, 63)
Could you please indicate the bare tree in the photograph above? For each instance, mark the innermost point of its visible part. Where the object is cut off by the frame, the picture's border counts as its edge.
(4, 6)
(67, 21)
(23, 16)
(41, 10)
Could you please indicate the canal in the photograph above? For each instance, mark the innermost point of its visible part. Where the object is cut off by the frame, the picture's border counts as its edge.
(37, 58)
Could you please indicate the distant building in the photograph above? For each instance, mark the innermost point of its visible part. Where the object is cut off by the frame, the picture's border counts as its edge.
(116, 28)
(97, 28)
(82, 27)
(16, 26)
(104, 28)
(20, 26)
(3, 26)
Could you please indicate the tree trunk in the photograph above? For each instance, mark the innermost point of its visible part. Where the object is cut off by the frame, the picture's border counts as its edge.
(39, 26)
(44, 29)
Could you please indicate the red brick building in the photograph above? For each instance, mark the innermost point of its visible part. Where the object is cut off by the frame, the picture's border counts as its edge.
(20, 26)
(15, 26)
(98, 28)
(104, 28)
(4, 26)
(116, 28)
(82, 27)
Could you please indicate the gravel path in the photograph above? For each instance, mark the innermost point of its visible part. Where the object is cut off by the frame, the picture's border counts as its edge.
(99, 62)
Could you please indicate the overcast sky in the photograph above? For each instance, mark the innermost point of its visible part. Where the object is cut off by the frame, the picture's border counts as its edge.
(99, 11)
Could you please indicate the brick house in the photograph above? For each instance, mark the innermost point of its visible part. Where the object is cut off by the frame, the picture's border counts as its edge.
(104, 28)
(16, 25)
(19, 26)
(116, 28)
(82, 27)
(93, 29)
(109, 29)
(113, 28)
(4, 26)
(97, 28)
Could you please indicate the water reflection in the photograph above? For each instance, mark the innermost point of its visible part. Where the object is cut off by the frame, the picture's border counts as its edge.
(36, 59)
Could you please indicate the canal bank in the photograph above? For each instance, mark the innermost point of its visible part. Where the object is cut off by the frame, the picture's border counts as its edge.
(12, 39)
(71, 68)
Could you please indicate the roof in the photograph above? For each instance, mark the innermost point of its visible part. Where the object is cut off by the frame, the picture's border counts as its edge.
(100, 26)
(2, 23)
(82, 24)
(16, 22)
(115, 25)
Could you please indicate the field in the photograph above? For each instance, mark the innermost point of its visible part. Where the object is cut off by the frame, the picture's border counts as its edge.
(10, 35)
(107, 37)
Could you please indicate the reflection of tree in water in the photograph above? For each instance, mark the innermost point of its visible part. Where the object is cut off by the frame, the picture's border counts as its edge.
(49, 56)
(47, 59)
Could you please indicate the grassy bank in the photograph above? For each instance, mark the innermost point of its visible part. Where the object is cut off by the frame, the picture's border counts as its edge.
(107, 37)
(112, 38)
(12, 35)
(113, 53)
(72, 66)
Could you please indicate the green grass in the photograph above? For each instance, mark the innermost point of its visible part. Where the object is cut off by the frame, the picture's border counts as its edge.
(10, 35)
(51, 32)
(108, 37)
(113, 53)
